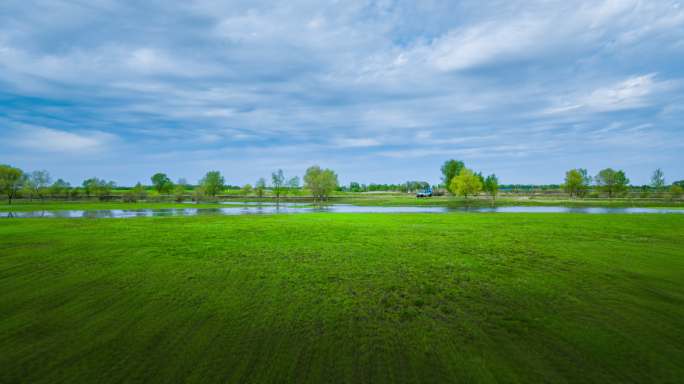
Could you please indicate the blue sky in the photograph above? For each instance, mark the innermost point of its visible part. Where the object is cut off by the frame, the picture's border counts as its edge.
(379, 91)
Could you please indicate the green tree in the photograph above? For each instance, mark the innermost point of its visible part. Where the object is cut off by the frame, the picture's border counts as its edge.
(60, 188)
(277, 183)
(37, 182)
(198, 193)
(98, 187)
(104, 188)
(75, 192)
(260, 187)
(321, 182)
(10, 181)
(491, 185)
(161, 183)
(139, 191)
(586, 182)
(658, 179)
(179, 190)
(134, 194)
(212, 183)
(88, 186)
(481, 177)
(246, 190)
(611, 181)
(575, 182)
(466, 183)
(450, 169)
(676, 191)
(293, 185)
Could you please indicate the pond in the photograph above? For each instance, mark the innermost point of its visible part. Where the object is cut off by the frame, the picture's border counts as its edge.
(290, 208)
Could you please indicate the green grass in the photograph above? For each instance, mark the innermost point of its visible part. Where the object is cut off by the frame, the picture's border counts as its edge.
(451, 201)
(343, 298)
(348, 198)
(51, 205)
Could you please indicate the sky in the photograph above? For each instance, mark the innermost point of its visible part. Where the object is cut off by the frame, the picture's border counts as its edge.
(379, 91)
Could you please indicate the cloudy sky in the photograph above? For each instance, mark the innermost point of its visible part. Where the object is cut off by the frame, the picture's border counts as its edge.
(380, 91)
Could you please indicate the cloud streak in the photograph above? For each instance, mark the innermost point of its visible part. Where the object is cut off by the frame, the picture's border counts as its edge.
(399, 85)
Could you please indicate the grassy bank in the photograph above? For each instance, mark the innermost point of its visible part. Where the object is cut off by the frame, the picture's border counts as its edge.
(355, 199)
(343, 298)
(451, 201)
(50, 205)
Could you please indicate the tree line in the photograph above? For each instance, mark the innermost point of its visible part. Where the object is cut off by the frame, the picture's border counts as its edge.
(578, 183)
(456, 179)
(38, 184)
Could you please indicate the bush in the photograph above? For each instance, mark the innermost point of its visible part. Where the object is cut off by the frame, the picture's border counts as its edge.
(130, 197)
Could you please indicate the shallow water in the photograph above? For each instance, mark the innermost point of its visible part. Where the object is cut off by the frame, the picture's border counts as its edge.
(255, 208)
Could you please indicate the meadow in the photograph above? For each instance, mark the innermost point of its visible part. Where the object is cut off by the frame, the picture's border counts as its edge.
(343, 298)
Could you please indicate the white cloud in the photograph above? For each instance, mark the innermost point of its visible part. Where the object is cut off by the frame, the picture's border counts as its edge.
(356, 142)
(288, 82)
(631, 93)
(484, 43)
(52, 140)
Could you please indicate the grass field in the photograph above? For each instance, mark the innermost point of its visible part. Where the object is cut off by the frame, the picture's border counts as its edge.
(50, 205)
(343, 298)
(355, 199)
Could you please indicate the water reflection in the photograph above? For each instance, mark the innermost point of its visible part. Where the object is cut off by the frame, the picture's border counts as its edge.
(291, 208)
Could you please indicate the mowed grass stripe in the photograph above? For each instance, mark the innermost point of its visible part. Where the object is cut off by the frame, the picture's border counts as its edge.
(343, 298)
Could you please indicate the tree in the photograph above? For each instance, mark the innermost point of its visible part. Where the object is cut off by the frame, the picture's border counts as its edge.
(179, 189)
(491, 185)
(481, 177)
(98, 187)
(577, 182)
(139, 191)
(573, 182)
(658, 179)
(586, 182)
(277, 181)
(89, 186)
(104, 188)
(75, 192)
(59, 188)
(293, 185)
(212, 183)
(38, 181)
(161, 183)
(450, 169)
(676, 191)
(10, 181)
(466, 183)
(259, 187)
(611, 181)
(198, 193)
(136, 193)
(246, 189)
(320, 182)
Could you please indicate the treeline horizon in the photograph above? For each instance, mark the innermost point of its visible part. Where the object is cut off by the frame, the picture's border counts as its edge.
(457, 179)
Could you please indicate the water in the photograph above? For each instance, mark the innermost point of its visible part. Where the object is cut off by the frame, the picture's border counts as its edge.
(234, 208)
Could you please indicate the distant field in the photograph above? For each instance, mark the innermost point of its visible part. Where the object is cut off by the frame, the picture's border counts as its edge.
(344, 298)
